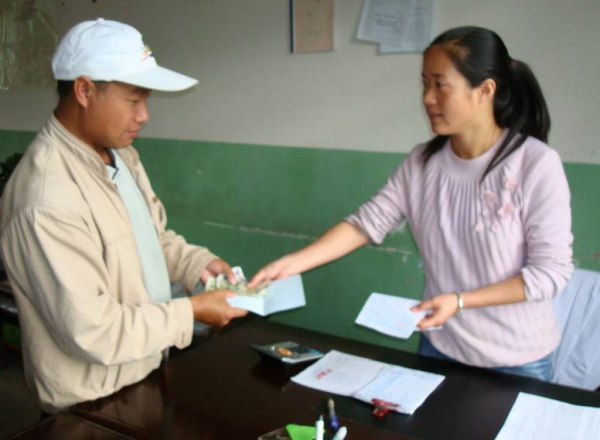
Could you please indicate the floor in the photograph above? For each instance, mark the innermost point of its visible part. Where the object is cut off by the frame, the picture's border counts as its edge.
(18, 408)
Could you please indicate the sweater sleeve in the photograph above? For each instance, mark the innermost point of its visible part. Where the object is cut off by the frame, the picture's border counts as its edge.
(387, 209)
(547, 227)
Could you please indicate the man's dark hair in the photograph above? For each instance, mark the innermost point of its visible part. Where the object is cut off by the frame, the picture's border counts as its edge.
(64, 87)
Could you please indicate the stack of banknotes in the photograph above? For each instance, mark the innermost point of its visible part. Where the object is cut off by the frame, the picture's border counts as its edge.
(241, 284)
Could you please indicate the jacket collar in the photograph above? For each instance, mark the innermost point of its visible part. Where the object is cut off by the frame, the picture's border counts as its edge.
(83, 151)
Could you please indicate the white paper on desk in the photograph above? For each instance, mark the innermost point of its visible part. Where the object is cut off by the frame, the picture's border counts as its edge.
(365, 379)
(390, 315)
(340, 373)
(281, 295)
(539, 418)
(404, 386)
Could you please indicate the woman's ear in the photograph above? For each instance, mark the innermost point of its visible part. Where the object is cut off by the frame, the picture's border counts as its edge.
(488, 89)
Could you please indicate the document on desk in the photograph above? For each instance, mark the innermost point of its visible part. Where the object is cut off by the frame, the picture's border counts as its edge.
(539, 418)
(281, 295)
(366, 380)
(390, 315)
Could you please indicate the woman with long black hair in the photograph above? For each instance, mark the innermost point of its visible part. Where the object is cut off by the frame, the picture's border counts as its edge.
(488, 204)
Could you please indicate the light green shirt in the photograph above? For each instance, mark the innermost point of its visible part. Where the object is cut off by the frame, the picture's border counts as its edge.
(154, 268)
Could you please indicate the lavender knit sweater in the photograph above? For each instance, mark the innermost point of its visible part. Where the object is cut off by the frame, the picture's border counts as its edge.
(473, 234)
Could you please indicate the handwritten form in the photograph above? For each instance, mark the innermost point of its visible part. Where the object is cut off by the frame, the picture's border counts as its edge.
(390, 315)
(539, 418)
(365, 379)
(417, 34)
(397, 25)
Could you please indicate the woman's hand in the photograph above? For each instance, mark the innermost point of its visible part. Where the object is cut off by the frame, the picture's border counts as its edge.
(276, 270)
(440, 308)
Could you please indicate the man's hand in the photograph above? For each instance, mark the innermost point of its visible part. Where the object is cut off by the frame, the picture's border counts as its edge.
(214, 268)
(441, 308)
(212, 308)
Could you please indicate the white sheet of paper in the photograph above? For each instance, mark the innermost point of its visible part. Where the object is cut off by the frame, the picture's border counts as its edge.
(390, 315)
(365, 379)
(539, 418)
(281, 295)
(403, 386)
(384, 21)
(339, 373)
(417, 34)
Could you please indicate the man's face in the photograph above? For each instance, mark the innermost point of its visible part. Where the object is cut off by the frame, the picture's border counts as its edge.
(115, 115)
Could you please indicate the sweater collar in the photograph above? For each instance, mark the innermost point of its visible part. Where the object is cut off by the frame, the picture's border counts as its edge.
(468, 169)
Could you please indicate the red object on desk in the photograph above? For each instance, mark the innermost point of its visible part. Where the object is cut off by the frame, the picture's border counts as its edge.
(382, 407)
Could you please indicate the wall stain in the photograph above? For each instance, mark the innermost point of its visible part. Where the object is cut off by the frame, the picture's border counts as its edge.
(594, 256)
(303, 237)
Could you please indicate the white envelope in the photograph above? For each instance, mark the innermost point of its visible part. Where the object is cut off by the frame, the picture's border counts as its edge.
(281, 295)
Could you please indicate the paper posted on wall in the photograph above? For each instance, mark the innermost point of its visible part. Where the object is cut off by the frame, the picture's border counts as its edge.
(397, 25)
(402, 389)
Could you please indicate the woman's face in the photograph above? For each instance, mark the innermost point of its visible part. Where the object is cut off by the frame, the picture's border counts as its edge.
(450, 102)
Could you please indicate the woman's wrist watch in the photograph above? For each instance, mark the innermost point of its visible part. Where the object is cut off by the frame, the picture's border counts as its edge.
(461, 304)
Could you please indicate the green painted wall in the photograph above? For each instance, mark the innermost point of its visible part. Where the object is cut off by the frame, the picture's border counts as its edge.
(251, 204)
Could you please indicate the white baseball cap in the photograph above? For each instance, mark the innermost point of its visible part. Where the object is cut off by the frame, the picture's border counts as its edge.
(106, 50)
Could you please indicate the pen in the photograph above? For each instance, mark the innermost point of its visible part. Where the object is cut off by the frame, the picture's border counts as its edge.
(333, 419)
(319, 427)
(340, 434)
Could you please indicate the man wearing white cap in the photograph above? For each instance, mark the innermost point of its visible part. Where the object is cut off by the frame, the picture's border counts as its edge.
(84, 236)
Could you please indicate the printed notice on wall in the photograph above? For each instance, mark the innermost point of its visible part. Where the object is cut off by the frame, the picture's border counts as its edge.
(397, 25)
(311, 25)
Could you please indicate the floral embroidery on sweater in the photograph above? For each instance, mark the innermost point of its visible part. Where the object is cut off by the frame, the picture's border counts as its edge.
(500, 202)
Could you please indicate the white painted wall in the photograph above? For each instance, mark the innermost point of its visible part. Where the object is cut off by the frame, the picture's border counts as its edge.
(252, 90)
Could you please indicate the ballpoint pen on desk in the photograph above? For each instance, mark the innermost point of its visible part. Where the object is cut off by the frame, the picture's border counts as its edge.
(319, 426)
(340, 434)
(333, 419)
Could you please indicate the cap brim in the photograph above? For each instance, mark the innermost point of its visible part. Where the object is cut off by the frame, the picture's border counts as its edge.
(158, 78)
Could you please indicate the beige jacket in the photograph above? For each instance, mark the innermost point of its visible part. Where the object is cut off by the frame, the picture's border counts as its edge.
(88, 328)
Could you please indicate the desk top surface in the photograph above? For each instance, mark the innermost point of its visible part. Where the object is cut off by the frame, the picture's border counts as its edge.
(67, 427)
(223, 390)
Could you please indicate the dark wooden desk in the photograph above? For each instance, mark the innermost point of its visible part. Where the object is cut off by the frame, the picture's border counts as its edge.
(68, 427)
(222, 390)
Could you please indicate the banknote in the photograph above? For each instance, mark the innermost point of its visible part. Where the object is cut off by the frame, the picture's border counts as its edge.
(240, 287)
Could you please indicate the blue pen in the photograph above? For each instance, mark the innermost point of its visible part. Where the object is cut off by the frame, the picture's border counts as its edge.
(333, 419)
